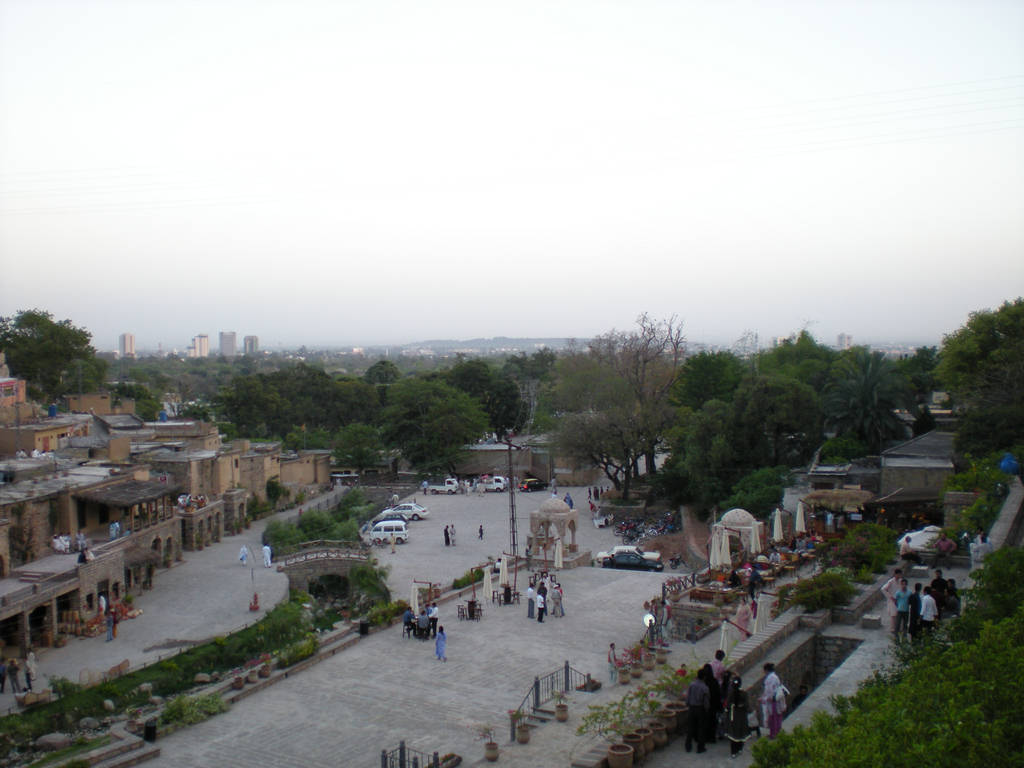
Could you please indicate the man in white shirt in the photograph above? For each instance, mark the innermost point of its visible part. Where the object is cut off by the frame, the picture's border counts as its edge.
(929, 610)
(432, 614)
(540, 608)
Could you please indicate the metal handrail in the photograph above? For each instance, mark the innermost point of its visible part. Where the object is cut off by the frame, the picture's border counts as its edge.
(406, 757)
(543, 689)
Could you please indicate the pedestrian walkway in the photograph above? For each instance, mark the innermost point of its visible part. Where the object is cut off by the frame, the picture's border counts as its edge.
(205, 595)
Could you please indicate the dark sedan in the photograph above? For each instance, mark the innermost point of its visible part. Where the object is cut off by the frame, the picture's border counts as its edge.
(532, 484)
(632, 562)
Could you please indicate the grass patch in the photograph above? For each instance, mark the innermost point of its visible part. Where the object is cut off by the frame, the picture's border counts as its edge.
(79, 747)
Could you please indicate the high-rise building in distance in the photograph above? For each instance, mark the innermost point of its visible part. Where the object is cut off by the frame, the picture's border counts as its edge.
(252, 344)
(126, 344)
(200, 346)
(227, 344)
(844, 341)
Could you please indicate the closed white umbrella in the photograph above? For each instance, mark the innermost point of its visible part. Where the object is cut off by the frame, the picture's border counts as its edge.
(801, 522)
(724, 552)
(503, 572)
(764, 607)
(715, 549)
(414, 600)
(777, 525)
(488, 585)
(559, 557)
(723, 640)
(755, 539)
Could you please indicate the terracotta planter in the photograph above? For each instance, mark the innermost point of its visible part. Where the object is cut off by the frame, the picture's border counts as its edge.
(252, 676)
(668, 718)
(679, 713)
(624, 676)
(238, 683)
(649, 663)
(523, 734)
(561, 712)
(662, 656)
(636, 671)
(264, 670)
(620, 756)
(491, 751)
(660, 733)
(648, 735)
(636, 741)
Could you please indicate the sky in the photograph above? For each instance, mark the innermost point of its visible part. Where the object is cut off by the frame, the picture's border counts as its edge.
(381, 172)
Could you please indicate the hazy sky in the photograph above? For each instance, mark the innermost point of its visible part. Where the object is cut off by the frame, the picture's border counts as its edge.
(383, 172)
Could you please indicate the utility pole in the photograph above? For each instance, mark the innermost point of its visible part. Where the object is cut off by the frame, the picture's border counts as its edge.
(513, 535)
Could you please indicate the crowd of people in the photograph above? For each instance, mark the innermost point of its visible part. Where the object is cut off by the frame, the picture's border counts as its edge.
(917, 610)
(544, 596)
(424, 627)
(18, 674)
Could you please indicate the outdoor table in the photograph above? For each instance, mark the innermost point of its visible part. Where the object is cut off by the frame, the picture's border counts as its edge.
(709, 594)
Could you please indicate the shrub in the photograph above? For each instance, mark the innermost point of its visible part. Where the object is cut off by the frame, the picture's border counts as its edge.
(825, 591)
(865, 546)
(189, 710)
(296, 652)
(383, 612)
(470, 576)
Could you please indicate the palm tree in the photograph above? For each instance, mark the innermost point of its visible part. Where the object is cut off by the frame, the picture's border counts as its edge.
(862, 399)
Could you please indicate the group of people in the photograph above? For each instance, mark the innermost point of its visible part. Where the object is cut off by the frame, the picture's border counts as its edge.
(449, 535)
(912, 612)
(61, 543)
(12, 672)
(720, 708)
(268, 555)
(544, 597)
(425, 627)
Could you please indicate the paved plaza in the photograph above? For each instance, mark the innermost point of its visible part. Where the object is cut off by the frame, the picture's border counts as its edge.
(345, 710)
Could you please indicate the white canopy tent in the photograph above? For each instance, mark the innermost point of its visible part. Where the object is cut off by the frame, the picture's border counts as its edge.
(742, 525)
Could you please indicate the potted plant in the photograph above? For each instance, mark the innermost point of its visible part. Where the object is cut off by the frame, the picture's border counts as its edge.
(518, 718)
(237, 679)
(485, 733)
(614, 720)
(561, 706)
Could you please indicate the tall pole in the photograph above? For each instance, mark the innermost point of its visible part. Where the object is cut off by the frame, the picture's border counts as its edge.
(513, 536)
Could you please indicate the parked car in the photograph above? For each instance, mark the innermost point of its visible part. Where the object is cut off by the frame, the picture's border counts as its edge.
(411, 510)
(632, 562)
(382, 532)
(622, 548)
(449, 486)
(493, 483)
(388, 514)
(532, 484)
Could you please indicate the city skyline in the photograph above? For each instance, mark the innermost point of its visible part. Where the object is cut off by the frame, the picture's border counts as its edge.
(376, 173)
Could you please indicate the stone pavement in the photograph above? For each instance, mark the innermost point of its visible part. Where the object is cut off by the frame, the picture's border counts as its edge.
(207, 594)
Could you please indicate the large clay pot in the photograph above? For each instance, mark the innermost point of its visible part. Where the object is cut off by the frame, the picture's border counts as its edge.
(662, 656)
(624, 676)
(523, 734)
(680, 710)
(660, 733)
(636, 671)
(491, 751)
(636, 741)
(620, 756)
(668, 718)
(649, 662)
(561, 712)
(648, 735)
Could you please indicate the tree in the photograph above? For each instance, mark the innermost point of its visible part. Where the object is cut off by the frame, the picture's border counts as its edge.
(760, 491)
(982, 363)
(777, 420)
(865, 392)
(498, 395)
(358, 446)
(801, 358)
(53, 357)
(708, 376)
(431, 423)
(919, 371)
(147, 407)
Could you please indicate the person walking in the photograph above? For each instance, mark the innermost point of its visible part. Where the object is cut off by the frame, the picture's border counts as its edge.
(447, 537)
(441, 645)
(12, 675)
(540, 608)
(698, 702)
(268, 555)
(737, 710)
(613, 664)
(31, 669)
(773, 700)
(110, 626)
(481, 533)
(531, 599)
(243, 554)
(555, 597)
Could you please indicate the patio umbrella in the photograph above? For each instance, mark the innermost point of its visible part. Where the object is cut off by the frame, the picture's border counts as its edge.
(715, 549)
(723, 640)
(725, 553)
(755, 538)
(801, 523)
(764, 607)
(559, 557)
(503, 572)
(777, 525)
(414, 600)
(488, 585)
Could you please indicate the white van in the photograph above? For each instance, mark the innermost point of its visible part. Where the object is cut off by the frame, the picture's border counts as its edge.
(382, 532)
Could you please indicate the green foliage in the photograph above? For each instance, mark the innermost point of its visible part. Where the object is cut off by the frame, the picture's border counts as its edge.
(865, 391)
(985, 430)
(919, 371)
(984, 477)
(955, 705)
(189, 710)
(841, 449)
(51, 356)
(147, 406)
(707, 376)
(997, 592)
(298, 651)
(864, 546)
(382, 613)
(981, 363)
(760, 491)
(475, 574)
(801, 358)
(358, 446)
(827, 590)
(431, 423)
(615, 719)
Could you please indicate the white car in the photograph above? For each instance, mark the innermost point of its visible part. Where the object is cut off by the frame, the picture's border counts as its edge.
(652, 556)
(410, 509)
(922, 539)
